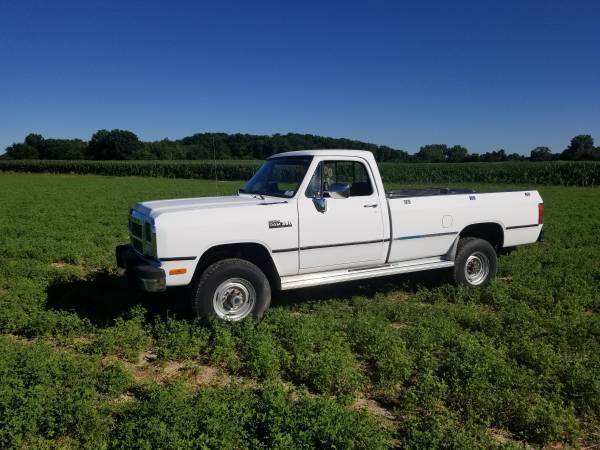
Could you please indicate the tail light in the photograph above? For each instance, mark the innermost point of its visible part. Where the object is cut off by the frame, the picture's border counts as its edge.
(540, 213)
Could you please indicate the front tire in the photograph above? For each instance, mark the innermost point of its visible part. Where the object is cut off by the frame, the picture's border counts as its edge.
(476, 262)
(231, 290)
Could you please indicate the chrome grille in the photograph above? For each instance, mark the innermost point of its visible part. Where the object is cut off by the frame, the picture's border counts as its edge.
(136, 229)
(137, 244)
(141, 234)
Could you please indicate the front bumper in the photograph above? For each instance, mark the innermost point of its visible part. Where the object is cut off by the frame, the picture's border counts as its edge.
(148, 277)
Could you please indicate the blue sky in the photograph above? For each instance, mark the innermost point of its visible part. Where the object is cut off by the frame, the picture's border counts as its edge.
(484, 74)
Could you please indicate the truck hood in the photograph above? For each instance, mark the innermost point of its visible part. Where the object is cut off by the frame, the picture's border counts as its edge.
(157, 207)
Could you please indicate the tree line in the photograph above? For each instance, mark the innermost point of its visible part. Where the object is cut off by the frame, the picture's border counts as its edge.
(125, 145)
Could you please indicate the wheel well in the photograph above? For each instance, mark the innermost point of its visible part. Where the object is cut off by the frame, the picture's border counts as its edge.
(255, 253)
(489, 231)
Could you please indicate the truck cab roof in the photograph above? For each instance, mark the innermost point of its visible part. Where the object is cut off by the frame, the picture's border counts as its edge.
(365, 154)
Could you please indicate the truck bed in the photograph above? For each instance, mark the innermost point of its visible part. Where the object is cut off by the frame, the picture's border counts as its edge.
(425, 192)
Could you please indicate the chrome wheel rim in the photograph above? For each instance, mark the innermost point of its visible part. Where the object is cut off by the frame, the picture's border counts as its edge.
(477, 268)
(234, 299)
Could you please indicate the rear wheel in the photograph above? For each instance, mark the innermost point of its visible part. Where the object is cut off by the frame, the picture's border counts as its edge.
(476, 262)
(231, 289)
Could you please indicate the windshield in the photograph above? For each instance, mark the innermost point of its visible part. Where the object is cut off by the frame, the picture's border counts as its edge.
(279, 177)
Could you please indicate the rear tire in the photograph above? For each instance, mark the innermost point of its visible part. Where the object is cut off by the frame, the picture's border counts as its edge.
(231, 290)
(476, 262)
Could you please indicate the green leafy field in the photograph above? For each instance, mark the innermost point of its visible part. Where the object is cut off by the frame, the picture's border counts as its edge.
(571, 173)
(403, 361)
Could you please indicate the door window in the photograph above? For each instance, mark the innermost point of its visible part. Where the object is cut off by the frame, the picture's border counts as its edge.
(352, 173)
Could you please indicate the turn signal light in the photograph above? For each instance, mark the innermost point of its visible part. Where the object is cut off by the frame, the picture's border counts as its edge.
(180, 271)
(540, 213)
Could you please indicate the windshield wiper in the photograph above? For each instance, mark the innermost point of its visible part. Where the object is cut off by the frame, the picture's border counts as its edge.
(264, 193)
(260, 195)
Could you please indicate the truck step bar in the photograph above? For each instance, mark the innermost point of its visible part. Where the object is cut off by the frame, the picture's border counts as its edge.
(341, 275)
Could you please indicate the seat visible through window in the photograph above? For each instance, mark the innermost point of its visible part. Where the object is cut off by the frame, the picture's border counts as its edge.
(352, 173)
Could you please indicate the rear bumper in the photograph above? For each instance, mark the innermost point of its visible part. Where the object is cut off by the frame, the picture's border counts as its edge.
(541, 236)
(148, 277)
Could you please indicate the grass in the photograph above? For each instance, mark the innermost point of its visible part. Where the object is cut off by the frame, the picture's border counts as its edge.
(403, 361)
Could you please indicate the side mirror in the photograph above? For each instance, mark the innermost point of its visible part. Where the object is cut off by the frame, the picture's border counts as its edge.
(320, 204)
(339, 190)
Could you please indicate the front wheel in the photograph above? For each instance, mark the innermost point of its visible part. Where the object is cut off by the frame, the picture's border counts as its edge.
(476, 262)
(231, 289)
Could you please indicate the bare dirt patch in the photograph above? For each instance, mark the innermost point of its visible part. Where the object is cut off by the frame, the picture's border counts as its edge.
(124, 398)
(64, 265)
(374, 407)
(61, 264)
(506, 437)
(204, 375)
(148, 370)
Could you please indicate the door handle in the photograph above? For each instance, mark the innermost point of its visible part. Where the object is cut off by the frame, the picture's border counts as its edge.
(374, 205)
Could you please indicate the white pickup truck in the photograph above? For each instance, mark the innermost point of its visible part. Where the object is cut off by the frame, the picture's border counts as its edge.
(315, 217)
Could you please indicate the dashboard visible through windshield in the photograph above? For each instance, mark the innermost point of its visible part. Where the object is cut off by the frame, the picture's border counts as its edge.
(278, 177)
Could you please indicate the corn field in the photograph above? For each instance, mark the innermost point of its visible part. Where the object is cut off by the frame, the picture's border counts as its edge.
(527, 173)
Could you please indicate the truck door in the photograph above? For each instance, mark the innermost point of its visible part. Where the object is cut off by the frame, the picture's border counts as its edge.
(338, 231)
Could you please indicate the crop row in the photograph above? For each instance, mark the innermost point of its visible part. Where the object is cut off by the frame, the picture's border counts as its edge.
(548, 173)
